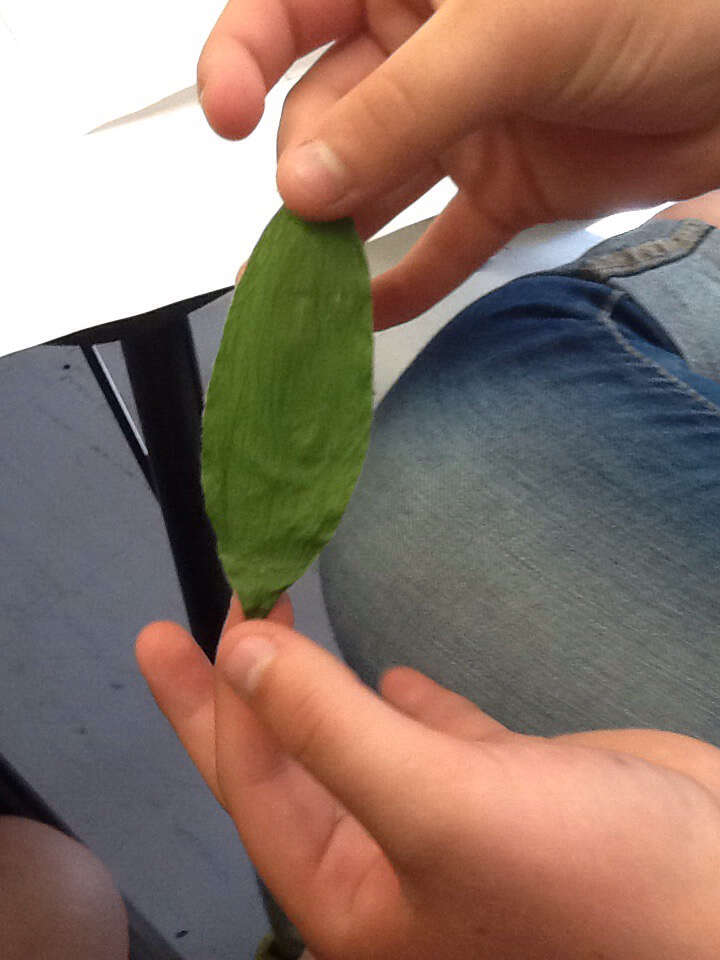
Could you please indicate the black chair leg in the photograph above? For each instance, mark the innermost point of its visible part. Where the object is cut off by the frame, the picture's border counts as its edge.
(119, 410)
(163, 371)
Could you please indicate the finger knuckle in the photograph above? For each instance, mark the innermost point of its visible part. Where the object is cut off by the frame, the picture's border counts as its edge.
(389, 104)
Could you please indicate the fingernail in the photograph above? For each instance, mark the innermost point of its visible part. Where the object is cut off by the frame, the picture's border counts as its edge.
(247, 663)
(318, 171)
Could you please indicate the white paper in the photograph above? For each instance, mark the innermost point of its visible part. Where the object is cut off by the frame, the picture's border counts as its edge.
(136, 216)
(147, 211)
(625, 220)
(98, 60)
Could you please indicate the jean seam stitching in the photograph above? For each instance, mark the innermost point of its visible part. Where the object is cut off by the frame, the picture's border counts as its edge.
(605, 318)
(641, 257)
(700, 353)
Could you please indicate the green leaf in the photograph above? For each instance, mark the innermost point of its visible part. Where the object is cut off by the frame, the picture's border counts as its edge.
(288, 411)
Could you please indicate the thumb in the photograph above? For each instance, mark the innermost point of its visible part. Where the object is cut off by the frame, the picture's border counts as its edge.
(372, 758)
(453, 72)
(433, 705)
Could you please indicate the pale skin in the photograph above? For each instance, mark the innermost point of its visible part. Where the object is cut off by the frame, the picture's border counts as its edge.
(57, 900)
(539, 110)
(412, 826)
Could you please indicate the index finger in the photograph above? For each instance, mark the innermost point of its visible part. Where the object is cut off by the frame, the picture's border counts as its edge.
(181, 679)
(282, 612)
(253, 43)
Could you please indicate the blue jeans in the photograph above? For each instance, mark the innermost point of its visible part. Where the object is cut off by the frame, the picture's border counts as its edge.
(537, 524)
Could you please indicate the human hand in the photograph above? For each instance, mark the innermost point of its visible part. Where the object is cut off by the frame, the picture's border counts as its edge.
(415, 826)
(539, 111)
